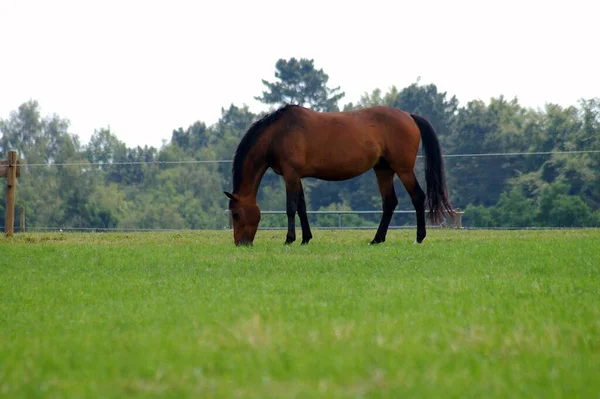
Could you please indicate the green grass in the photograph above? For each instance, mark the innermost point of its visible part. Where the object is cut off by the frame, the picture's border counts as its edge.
(466, 314)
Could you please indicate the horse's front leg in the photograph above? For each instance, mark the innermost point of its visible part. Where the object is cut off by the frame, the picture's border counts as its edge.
(306, 234)
(292, 190)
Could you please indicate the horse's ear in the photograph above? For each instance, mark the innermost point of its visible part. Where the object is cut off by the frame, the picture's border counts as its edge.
(230, 196)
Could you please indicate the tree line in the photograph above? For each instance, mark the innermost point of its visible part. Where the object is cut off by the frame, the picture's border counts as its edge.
(105, 184)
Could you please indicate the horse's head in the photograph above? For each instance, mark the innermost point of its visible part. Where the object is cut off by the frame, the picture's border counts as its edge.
(246, 216)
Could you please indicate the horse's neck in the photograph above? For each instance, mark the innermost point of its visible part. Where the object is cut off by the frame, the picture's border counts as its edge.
(255, 166)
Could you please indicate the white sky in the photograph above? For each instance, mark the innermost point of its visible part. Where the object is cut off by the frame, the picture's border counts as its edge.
(147, 67)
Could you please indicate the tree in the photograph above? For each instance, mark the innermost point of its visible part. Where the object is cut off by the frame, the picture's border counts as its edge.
(196, 136)
(22, 131)
(105, 148)
(300, 83)
(135, 170)
(478, 216)
(428, 101)
(481, 128)
(37, 139)
(514, 209)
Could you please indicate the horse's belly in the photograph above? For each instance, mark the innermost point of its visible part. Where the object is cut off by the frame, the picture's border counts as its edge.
(337, 168)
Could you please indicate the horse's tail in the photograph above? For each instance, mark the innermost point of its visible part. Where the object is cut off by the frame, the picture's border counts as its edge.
(437, 194)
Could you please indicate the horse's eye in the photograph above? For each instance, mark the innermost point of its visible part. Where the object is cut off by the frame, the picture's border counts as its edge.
(235, 216)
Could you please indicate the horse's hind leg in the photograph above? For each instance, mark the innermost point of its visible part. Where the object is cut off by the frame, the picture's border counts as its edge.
(385, 181)
(306, 234)
(417, 196)
(293, 187)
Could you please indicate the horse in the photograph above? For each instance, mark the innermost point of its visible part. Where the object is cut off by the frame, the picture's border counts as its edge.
(297, 142)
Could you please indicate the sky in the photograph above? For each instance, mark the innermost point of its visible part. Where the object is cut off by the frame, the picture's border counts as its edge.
(145, 68)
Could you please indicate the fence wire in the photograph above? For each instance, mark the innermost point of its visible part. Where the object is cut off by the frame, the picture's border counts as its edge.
(371, 223)
(225, 161)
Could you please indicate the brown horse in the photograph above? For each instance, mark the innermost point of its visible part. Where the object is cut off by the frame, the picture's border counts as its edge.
(297, 142)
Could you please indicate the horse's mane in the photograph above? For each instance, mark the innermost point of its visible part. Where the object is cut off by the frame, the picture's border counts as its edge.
(250, 138)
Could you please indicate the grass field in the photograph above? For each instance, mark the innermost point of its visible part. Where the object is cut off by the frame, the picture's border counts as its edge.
(466, 314)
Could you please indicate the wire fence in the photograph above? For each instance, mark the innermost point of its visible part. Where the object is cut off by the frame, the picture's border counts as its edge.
(371, 217)
(226, 161)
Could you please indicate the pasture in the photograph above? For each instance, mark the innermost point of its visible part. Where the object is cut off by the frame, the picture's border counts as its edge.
(187, 314)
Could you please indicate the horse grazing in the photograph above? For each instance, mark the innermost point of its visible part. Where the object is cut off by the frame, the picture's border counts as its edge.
(297, 142)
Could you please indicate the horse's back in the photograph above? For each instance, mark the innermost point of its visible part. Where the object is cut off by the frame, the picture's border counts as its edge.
(342, 145)
(380, 122)
(392, 131)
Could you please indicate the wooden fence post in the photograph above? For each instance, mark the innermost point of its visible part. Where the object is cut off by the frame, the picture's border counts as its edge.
(22, 222)
(10, 170)
(459, 220)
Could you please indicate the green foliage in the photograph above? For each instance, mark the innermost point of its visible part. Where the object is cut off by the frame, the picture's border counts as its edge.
(558, 208)
(341, 219)
(514, 209)
(570, 211)
(105, 148)
(426, 100)
(478, 216)
(196, 137)
(552, 206)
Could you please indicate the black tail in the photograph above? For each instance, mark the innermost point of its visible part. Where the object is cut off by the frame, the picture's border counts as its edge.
(437, 194)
